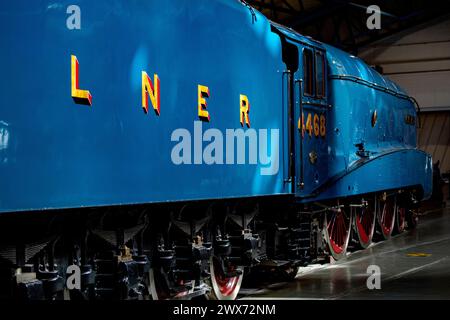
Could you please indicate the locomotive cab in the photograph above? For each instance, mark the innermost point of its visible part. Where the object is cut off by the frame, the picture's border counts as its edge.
(308, 110)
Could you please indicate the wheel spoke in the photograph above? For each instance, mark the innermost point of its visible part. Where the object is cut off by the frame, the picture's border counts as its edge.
(338, 231)
(387, 218)
(400, 220)
(364, 224)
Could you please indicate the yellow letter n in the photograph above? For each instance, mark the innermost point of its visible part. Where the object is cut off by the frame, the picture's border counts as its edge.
(153, 91)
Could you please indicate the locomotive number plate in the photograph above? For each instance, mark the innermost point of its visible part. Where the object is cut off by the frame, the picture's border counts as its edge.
(315, 125)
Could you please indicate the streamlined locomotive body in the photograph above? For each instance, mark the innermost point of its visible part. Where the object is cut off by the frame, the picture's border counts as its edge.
(167, 148)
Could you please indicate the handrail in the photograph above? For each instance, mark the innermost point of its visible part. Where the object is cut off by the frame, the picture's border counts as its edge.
(419, 123)
(380, 88)
(300, 101)
(291, 160)
(371, 85)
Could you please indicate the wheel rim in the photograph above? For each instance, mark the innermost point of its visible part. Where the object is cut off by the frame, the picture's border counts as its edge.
(387, 217)
(401, 218)
(337, 232)
(160, 288)
(225, 288)
(365, 224)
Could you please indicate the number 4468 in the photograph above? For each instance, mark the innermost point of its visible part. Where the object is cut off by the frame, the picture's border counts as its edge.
(315, 124)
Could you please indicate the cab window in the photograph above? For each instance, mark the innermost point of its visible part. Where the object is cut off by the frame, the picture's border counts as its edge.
(320, 75)
(308, 61)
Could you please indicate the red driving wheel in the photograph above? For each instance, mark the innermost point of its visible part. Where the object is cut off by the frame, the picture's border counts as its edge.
(365, 217)
(400, 223)
(386, 216)
(224, 287)
(337, 226)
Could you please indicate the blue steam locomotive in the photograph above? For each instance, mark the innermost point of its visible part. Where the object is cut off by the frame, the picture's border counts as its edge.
(165, 148)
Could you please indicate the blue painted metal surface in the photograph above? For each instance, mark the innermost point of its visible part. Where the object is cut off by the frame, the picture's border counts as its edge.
(388, 170)
(61, 155)
(390, 159)
(56, 154)
(314, 175)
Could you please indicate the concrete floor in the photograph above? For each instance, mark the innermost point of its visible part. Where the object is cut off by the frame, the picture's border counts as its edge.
(414, 265)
